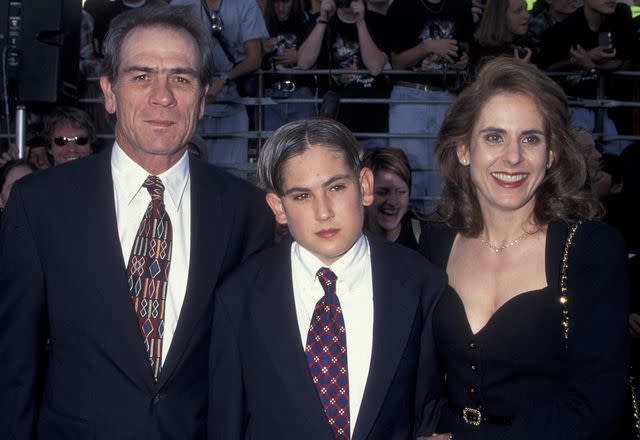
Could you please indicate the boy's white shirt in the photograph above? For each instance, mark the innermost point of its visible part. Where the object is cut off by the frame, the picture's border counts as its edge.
(355, 292)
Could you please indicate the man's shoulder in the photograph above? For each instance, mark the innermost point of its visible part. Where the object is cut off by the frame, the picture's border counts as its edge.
(400, 258)
(256, 272)
(222, 181)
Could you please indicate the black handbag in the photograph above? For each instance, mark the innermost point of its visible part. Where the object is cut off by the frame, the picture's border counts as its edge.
(634, 429)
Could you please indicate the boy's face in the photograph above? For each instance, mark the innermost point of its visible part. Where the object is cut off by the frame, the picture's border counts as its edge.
(323, 202)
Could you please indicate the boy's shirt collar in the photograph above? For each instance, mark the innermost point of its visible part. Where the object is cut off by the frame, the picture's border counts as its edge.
(349, 268)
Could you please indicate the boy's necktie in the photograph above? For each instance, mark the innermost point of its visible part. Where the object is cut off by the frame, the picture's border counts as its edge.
(148, 272)
(326, 352)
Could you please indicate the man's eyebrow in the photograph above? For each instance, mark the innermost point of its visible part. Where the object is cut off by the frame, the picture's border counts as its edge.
(170, 71)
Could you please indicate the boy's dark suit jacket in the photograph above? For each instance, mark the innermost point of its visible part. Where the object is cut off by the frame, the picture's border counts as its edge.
(63, 286)
(260, 381)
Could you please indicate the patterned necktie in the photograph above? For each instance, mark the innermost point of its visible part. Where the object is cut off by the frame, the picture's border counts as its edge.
(148, 272)
(326, 352)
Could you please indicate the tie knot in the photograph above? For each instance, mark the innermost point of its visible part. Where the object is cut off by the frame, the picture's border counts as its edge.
(327, 279)
(155, 187)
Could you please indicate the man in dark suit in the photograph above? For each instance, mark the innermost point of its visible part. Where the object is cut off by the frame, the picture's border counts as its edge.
(108, 264)
(328, 336)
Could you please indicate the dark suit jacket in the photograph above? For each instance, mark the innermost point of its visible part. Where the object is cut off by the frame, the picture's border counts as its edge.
(260, 382)
(75, 366)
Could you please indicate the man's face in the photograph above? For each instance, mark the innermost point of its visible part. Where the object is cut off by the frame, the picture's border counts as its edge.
(323, 202)
(69, 142)
(156, 96)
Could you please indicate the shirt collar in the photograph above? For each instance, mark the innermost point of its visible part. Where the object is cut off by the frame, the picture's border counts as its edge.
(129, 176)
(349, 268)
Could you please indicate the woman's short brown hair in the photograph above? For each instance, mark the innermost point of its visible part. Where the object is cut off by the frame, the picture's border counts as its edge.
(562, 193)
(388, 159)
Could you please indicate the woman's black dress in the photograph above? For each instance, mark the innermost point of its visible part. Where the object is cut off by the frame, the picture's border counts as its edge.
(516, 370)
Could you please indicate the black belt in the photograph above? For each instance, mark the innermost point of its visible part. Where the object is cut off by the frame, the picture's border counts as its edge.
(475, 417)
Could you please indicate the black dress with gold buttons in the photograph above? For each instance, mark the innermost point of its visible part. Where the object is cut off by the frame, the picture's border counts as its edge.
(517, 377)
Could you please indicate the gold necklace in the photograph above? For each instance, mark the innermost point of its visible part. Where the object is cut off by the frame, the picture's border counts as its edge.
(498, 249)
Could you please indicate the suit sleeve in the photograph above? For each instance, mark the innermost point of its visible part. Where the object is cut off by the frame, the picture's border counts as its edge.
(597, 348)
(22, 323)
(226, 417)
(430, 384)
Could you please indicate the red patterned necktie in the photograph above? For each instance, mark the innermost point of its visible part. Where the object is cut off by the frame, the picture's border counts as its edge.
(326, 352)
(148, 272)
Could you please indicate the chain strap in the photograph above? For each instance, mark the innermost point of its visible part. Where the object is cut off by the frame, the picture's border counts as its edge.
(564, 301)
(634, 402)
(564, 290)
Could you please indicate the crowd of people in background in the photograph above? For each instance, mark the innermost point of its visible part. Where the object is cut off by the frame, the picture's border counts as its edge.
(477, 95)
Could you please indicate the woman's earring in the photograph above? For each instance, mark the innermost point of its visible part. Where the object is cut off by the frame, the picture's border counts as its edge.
(464, 161)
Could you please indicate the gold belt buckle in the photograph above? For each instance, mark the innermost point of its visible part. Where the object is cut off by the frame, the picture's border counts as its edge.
(472, 416)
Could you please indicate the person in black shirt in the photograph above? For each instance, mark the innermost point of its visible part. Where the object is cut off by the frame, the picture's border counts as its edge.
(286, 22)
(351, 38)
(431, 37)
(596, 38)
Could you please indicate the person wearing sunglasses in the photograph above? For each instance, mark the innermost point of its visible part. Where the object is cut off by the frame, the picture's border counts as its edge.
(71, 134)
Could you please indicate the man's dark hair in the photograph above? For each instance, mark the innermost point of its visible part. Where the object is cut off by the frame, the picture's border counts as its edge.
(178, 18)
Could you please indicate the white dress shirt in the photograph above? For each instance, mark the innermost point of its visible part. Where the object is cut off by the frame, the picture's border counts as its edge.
(131, 201)
(355, 292)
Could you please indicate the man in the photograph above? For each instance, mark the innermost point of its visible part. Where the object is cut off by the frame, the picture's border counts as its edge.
(105, 325)
(239, 27)
(70, 134)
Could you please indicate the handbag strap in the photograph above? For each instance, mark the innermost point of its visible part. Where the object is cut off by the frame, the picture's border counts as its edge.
(564, 289)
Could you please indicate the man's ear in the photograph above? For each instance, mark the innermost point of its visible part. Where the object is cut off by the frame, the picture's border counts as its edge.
(366, 186)
(275, 203)
(110, 103)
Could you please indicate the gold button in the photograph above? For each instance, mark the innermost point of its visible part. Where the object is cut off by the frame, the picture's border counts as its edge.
(472, 345)
(472, 390)
(473, 367)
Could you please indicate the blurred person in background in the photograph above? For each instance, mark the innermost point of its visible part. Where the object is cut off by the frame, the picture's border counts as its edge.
(389, 215)
(70, 133)
(286, 22)
(501, 32)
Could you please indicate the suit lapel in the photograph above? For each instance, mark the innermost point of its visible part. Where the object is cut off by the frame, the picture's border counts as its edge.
(205, 261)
(117, 318)
(274, 313)
(394, 313)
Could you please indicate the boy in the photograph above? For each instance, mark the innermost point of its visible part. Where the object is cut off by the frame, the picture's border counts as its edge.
(327, 337)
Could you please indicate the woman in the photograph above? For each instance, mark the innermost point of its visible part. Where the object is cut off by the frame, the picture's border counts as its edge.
(501, 31)
(286, 23)
(389, 215)
(514, 186)
(9, 174)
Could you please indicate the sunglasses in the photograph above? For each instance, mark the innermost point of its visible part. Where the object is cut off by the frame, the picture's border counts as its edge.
(63, 140)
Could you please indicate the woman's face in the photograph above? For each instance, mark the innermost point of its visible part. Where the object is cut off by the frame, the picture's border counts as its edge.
(283, 9)
(15, 174)
(390, 202)
(562, 7)
(508, 153)
(517, 17)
